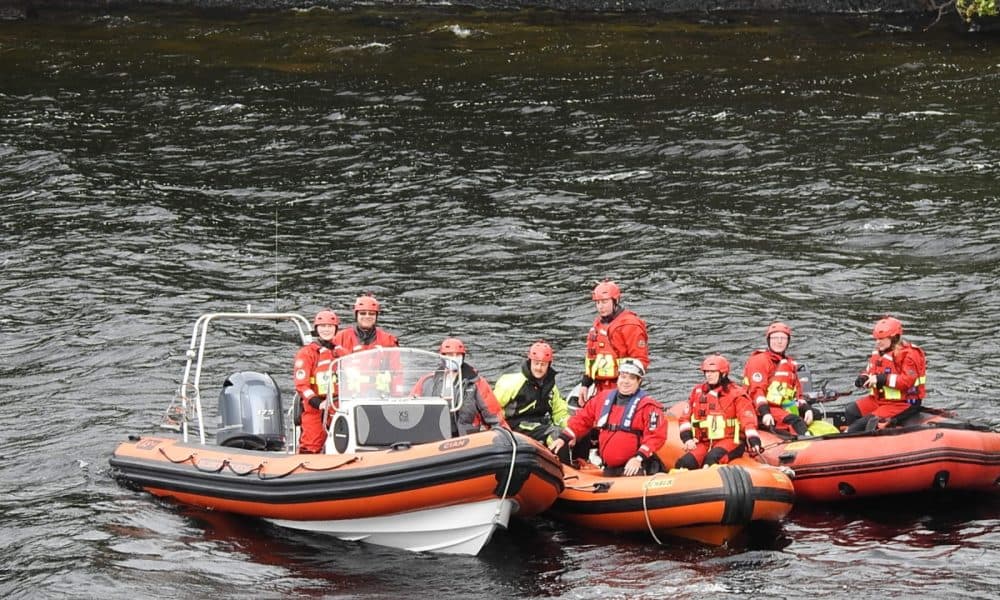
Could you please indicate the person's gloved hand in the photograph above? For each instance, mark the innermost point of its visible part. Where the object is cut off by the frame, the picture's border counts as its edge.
(861, 381)
(767, 420)
(754, 443)
(808, 417)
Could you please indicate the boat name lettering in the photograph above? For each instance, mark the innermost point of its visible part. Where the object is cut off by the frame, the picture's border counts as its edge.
(454, 444)
(660, 483)
(797, 446)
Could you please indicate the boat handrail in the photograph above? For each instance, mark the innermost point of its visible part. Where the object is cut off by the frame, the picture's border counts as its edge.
(196, 352)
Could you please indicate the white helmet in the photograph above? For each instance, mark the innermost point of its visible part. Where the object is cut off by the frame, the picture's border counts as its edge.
(632, 366)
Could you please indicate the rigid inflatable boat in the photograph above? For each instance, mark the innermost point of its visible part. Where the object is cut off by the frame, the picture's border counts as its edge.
(392, 474)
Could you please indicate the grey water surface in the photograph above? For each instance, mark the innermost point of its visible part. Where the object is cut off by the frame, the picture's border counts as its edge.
(479, 172)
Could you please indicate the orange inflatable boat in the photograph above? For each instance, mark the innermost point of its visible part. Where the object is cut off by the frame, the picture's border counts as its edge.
(930, 452)
(710, 505)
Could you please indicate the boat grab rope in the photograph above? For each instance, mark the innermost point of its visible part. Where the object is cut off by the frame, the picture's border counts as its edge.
(645, 509)
(227, 464)
(510, 473)
(596, 487)
(224, 464)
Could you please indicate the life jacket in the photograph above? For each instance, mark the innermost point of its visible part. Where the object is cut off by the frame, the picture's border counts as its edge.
(784, 389)
(891, 364)
(527, 402)
(627, 415)
(602, 359)
(713, 417)
(312, 363)
(354, 339)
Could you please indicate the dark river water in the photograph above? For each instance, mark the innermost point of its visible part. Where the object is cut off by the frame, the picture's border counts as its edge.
(479, 172)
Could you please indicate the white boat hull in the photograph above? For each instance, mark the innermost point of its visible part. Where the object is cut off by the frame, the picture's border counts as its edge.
(459, 529)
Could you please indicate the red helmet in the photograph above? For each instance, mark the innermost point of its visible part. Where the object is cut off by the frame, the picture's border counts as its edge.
(540, 351)
(326, 317)
(452, 346)
(777, 327)
(367, 302)
(716, 362)
(887, 327)
(607, 289)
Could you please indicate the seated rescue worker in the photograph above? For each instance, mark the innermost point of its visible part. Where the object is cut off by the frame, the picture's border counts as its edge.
(771, 377)
(530, 398)
(895, 377)
(479, 406)
(717, 419)
(630, 425)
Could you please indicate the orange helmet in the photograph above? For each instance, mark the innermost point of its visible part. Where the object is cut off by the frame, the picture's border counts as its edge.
(540, 351)
(452, 346)
(777, 327)
(326, 317)
(367, 302)
(716, 362)
(607, 289)
(887, 327)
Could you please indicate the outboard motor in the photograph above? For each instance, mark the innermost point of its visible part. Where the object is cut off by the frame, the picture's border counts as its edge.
(250, 414)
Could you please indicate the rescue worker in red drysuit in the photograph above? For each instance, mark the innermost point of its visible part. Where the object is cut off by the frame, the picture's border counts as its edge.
(617, 334)
(479, 406)
(771, 377)
(315, 382)
(365, 334)
(630, 425)
(895, 377)
(718, 419)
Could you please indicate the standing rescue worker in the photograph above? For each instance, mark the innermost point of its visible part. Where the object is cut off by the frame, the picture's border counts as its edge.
(617, 334)
(717, 419)
(895, 377)
(366, 334)
(630, 425)
(315, 383)
(530, 398)
(771, 377)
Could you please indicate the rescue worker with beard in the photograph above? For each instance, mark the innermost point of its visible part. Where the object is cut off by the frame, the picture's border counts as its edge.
(479, 407)
(314, 381)
(530, 398)
(771, 377)
(895, 377)
(617, 334)
(717, 419)
(366, 334)
(630, 425)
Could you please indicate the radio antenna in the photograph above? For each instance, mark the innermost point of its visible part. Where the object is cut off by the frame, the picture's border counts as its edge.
(276, 256)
